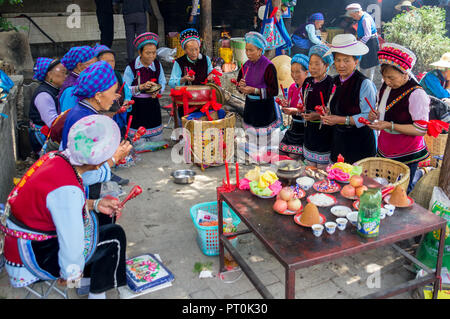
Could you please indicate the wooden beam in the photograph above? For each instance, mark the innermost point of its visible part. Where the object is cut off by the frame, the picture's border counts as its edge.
(206, 15)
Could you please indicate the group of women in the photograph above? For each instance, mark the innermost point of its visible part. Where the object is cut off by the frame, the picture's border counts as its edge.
(57, 226)
(343, 115)
(56, 218)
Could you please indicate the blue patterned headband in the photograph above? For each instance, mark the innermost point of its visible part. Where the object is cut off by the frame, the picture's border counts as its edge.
(257, 39)
(302, 60)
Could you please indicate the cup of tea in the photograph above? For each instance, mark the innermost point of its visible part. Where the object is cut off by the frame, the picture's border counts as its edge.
(330, 227)
(317, 230)
(341, 223)
(390, 209)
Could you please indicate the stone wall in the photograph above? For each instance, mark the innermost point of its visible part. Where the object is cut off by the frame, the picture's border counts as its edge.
(8, 141)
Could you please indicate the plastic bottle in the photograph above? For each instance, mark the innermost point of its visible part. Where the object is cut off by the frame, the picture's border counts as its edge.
(369, 213)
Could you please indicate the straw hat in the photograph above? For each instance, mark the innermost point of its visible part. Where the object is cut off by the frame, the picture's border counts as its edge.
(347, 44)
(444, 62)
(283, 66)
(399, 6)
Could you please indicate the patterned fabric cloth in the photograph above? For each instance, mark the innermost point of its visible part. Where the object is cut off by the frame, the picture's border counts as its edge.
(92, 140)
(320, 50)
(316, 17)
(77, 55)
(189, 35)
(100, 49)
(41, 68)
(146, 38)
(257, 39)
(99, 77)
(301, 59)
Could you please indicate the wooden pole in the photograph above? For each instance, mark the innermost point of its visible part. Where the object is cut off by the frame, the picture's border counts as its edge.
(444, 178)
(206, 14)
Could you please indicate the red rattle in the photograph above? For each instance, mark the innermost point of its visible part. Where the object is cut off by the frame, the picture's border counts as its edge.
(364, 121)
(124, 108)
(139, 133)
(135, 191)
(320, 110)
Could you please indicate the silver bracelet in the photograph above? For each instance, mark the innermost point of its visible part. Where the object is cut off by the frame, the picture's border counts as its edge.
(114, 161)
(347, 120)
(96, 202)
(392, 126)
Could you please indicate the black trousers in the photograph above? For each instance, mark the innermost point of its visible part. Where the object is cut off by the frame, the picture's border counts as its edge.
(106, 268)
(105, 20)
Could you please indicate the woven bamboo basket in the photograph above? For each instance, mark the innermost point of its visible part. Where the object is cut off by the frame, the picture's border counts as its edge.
(436, 146)
(212, 142)
(386, 168)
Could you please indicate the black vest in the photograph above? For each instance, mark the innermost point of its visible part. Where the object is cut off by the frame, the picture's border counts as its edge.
(200, 68)
(34, 114)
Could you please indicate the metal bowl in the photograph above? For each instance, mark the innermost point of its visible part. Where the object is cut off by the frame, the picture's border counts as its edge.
(289, 169)
(183, 176)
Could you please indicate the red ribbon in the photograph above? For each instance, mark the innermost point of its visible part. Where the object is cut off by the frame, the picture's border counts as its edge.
(435, 127)
(184, 94)
(211, 104)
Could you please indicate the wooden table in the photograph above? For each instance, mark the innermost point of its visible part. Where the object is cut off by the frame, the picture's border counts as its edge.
(295, 247)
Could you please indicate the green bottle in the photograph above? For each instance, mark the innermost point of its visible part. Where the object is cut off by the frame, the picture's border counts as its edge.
(369, 213)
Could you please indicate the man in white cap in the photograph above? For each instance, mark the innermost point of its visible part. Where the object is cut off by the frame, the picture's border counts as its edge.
(367, 34)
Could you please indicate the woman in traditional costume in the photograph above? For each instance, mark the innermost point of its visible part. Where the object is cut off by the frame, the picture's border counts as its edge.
(44, 108)
(50, 230)
(76, 61)
(103, 53)
(317, 90)
(292, 143)
(367, 34)
(308, 34)
(437, 82)
(141, 75)
(96, 92)
(258, 81)
(351, 139)
(403, 110)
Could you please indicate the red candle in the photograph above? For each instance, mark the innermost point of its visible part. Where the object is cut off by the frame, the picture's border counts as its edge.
(228, 173)
(237, 174)
(370, 105)
(121, 88)
(321, 98)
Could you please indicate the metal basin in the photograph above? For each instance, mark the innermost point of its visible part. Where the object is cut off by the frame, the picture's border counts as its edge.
(183, 176)
(289, 169)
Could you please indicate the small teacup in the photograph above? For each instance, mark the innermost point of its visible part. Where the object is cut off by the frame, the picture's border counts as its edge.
(330, 227)
(383, 213)
(353, 217)
(341, 223)
(317, 230)
(390, 209)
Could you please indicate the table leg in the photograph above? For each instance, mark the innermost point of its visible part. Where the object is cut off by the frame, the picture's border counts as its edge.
(290, 284)
(221, 248)
(439, 262)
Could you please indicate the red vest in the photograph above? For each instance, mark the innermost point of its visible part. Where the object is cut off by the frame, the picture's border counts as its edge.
(29, 207)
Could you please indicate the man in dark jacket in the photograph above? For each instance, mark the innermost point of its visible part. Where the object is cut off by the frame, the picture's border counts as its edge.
(105, 18)
(135, 19)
